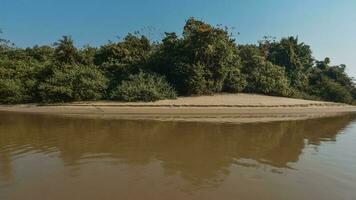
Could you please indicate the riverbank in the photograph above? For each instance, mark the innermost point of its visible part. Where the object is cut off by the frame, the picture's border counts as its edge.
(235, 108)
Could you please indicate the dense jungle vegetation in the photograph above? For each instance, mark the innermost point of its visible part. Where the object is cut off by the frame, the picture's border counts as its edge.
(203, 60)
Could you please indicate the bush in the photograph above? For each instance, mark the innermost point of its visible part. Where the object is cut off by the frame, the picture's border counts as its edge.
(295, 57)
(20, 74)
(264, 77)
(11, 91)
(331, 83)
(73, 83)
(269, 79)
(331, 91)
(335, 92)
(143, 87)
(89, 83)
(235, 81)
(194, 80)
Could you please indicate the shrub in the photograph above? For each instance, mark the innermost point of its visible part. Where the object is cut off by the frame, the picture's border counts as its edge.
(89, 83)
(332, 91)
(331, 82)
(21, 74)
(269, 79)
(235, 81)
(264, 77)
(73, 83)
(194, 81)
(295, 57)
(143, 87)
(335, 92)
(11, 91)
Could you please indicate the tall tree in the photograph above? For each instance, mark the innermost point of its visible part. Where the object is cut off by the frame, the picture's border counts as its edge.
(65, 51)
(262, 76)
(201, 61)
(295, 57)
(121, 59)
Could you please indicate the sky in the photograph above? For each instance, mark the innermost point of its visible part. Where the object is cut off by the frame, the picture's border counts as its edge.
(328, 26)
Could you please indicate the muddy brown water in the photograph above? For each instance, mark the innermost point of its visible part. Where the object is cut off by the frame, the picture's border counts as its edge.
(51, 157)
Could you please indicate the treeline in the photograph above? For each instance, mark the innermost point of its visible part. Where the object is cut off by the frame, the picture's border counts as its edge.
(204, 60)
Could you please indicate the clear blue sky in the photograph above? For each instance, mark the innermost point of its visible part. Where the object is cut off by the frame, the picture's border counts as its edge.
(329, 26)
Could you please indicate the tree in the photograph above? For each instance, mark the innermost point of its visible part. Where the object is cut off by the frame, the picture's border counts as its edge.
(235, 81)
(331, 82)
(65, 52)
(41, 53)
(295, 57)
(122, 59)
(11, 91)
(87, 55)
(262, 76)
(21, 74)
(201, 61)
(132, 50)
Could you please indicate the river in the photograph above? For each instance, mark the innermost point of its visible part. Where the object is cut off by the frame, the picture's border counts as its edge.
(58, 157)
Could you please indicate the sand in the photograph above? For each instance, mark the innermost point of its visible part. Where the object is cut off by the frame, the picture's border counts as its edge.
(227, 108)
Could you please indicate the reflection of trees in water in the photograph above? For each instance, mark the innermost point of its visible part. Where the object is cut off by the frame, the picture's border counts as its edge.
(198, 152)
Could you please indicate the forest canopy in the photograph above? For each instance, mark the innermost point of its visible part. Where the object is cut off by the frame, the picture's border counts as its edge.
(202, 60)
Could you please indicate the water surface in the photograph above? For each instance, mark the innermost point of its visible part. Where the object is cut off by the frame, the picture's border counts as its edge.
(49, 157)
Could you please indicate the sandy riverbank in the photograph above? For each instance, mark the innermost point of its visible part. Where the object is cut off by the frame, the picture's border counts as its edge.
(236, 108)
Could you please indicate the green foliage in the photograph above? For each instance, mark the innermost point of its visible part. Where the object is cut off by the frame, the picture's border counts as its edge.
(87, 55)
(269, 79)
(295, 57)
(11, 91)
(120, 60)
(201, 61)
(65, 51)
(40, 53)
(23, 74)
(331, 83)
(132, 50)
(205, 59)
(262, 76)
(235, 81)
(143, 87)
(332, 91)
(73, 83)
